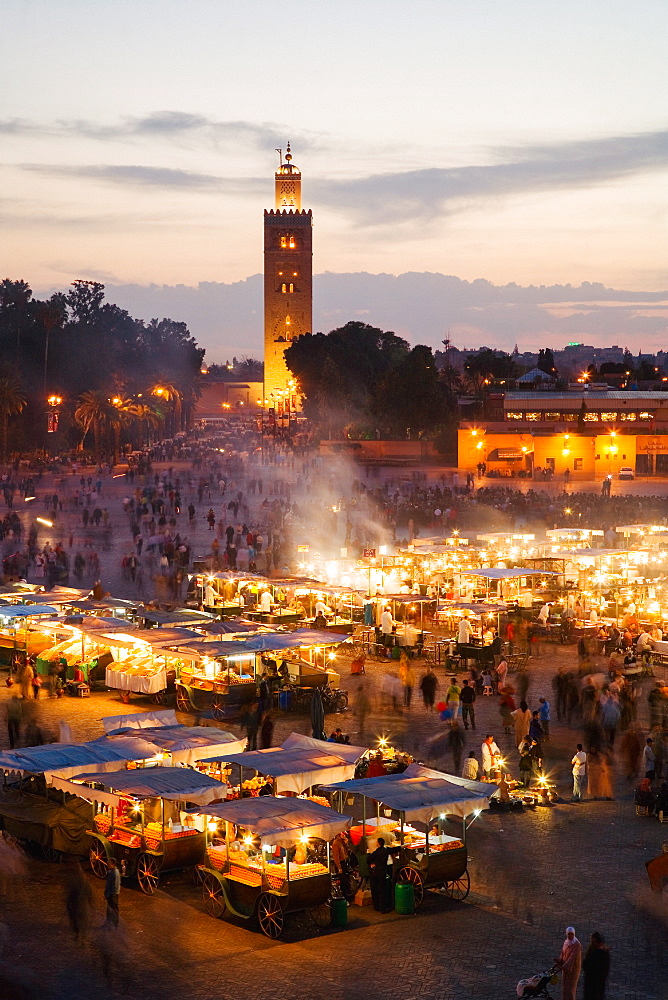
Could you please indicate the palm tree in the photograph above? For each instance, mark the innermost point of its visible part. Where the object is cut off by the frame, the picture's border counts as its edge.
(145, 417)
(96, 410)
(12, 401)
(168, 392)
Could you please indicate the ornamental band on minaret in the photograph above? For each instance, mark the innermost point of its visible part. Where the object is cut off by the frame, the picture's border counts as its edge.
(288, 281)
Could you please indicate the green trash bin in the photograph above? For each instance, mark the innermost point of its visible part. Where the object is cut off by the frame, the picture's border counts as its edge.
(339, 909)
(404, 897)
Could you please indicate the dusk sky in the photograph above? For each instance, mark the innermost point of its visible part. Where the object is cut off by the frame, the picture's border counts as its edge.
(520, 142)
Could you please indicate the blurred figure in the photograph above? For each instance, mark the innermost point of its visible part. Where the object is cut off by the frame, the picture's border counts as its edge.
(407, 678)
(596, 968)
(14, 719)
(79, 903)
(361, 707)
(579, 764)
(631, 750)
(644, 796)
(456, 743)
(428, 685)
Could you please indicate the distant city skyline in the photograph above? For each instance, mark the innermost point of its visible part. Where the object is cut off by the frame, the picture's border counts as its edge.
(513, 143)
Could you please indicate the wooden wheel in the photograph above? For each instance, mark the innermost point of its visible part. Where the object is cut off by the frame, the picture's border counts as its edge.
(182, 700)
(213, 895)
(158, 697)
(270, 915)
(196, 875)
(97, 856)
(148, 873)
(411, 875)
(52, 854)
(321, 915)
(460, 888)
(218, 706)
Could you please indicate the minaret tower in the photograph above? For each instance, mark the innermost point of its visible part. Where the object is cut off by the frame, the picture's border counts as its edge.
(288, 280)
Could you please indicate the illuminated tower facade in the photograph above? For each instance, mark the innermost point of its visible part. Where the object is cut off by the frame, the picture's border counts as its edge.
(288, 280)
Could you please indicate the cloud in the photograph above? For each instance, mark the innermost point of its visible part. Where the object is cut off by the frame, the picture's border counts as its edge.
(385, 199)
(163, 177)
(168, 125)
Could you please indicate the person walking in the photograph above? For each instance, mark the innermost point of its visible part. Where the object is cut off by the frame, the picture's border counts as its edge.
(456, 743)
(596, 968)
(79, 903)
(361, 707)
(14, 719)
(112, 892)
(428, 685)
(535, 728)
(521, 721)
(579, 764)
(407, 678)
(570, 963)
(453, 697)
(649, 759)
(467, 699)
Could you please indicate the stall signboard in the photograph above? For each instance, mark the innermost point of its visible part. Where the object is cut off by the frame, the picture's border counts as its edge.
(302, 548)
(369, 553)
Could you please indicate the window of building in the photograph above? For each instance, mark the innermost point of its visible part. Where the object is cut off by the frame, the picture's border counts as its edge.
(513, 415)
(288, 242)
(292, 288)
(592, 418)
(626, 417)
(569, 417)
(532, 415)
(645, 415)
(598, 458)
(551, 415)
(549, 463)
(608, 418)
(577, 464)
(284, 287)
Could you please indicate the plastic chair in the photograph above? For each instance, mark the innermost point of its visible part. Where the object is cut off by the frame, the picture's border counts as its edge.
(642, 811)
(487, 690)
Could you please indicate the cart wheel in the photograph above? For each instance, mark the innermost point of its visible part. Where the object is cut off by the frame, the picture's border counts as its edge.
(97, 856)
(148, 873)
(460, 888)
(341, 701)
(182, 700)
(321, 915)
(270, 915)
(52, 854)
(218, 707)
(412, 875)
(158, 697)
(213, 895)
(196, 875)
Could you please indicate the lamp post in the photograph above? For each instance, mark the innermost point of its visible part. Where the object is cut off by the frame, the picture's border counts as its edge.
(53, 413)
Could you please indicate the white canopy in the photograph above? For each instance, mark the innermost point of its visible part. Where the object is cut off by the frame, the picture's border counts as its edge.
(281, 821)
(178, 784)
(349, 753)
(294, 769)
(141, 720)
(421, 797)
(66, 759)
(184, 744)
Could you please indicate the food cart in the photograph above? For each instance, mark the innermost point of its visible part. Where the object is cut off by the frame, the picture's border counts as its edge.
(266, 862)
(44, 819)
(140, 819)
(423, 858)
(224, 676)
(20, 635)
(293, 769)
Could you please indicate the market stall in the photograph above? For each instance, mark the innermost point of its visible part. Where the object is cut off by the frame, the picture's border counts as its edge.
(172, 743)
(40, 817)
(423, 854)
(141, 819)
(20, 635)
(264, 858)
(292, 769)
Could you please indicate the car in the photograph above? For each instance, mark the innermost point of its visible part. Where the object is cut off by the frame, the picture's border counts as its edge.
(626, 472)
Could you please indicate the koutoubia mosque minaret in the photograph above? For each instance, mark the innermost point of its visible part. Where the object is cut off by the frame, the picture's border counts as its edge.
(288, 281)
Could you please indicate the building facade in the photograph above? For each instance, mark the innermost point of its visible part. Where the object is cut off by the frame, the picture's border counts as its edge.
(288, 283)
(589, 434)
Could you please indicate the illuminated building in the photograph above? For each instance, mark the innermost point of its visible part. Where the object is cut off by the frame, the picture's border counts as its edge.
(288, 282)
(592, 434)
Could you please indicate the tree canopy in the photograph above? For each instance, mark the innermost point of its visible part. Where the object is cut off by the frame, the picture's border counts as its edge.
(361, 375)
(76, 343)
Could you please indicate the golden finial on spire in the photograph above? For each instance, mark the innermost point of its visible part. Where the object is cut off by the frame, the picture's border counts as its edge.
(288, 154)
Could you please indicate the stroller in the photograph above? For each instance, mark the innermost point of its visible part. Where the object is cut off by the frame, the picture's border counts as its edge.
(537, 985)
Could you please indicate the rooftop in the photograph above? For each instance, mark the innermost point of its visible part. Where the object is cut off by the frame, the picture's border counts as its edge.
(656, 396)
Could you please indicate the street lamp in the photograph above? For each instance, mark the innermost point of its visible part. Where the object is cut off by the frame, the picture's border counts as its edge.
(53, 415)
